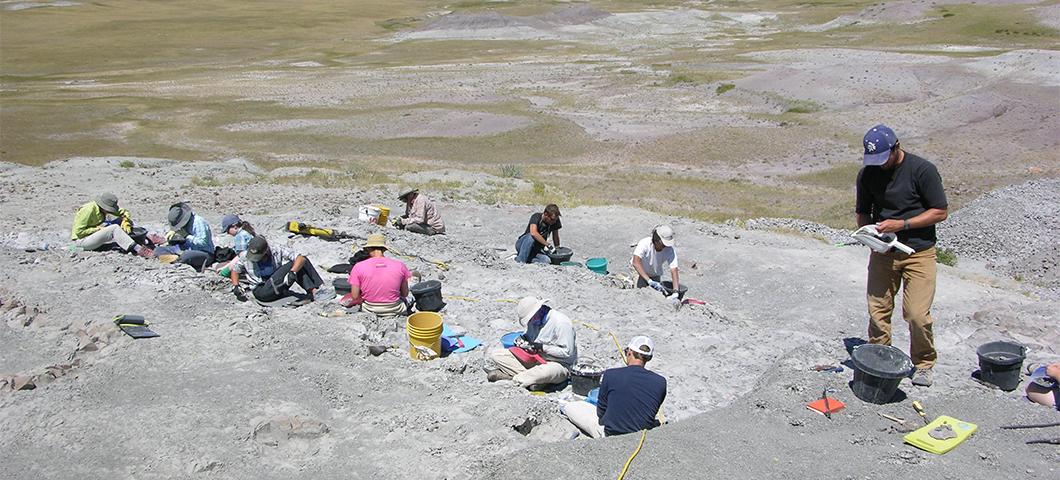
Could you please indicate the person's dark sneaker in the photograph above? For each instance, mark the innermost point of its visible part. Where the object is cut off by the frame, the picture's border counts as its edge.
(923, 377)
(497, 375)
(302, 301)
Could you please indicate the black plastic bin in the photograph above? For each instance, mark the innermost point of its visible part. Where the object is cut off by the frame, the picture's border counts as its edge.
(584, 377)
(342, 286)
(1000, 363)
(428, 296)
(878, 369)
(560, 255)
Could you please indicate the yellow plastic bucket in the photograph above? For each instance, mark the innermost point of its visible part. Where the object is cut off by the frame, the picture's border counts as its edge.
(383, 214)
(424, 330)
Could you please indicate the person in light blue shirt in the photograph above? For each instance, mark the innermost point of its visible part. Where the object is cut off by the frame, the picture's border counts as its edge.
(190, 238)
(240, 230)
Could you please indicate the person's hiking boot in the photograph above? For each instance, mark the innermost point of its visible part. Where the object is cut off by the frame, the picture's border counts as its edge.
(497, 375)
(923, 377)
(143, 251)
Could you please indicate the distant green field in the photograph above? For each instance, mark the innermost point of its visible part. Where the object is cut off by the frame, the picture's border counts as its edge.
(161, 79)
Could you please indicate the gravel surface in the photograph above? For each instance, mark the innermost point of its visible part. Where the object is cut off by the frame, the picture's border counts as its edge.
(1013, 230)
(235, 390)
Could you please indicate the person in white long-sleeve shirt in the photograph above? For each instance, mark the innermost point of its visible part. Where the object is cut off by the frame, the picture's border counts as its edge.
(549, 337)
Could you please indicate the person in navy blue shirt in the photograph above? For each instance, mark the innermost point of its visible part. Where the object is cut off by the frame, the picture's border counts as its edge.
(629, 398)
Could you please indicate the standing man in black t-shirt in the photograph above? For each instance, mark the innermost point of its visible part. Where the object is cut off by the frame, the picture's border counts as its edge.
(901, 193)
(530, 244)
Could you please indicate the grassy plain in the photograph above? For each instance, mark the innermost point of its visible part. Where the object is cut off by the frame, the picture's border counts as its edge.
(126, 78)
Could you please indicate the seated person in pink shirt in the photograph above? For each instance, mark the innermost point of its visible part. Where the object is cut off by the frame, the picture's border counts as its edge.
(379, 284)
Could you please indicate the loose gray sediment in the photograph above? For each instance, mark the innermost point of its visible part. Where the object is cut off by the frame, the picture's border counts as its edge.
(236, 390)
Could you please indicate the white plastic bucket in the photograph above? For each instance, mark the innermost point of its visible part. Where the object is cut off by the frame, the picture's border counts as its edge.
(369, 213)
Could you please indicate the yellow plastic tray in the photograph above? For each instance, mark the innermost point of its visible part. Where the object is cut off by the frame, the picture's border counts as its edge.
(923, 441)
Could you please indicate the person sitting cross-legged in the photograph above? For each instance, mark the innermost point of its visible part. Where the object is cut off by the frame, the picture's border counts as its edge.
(378, 284)
(544, 354)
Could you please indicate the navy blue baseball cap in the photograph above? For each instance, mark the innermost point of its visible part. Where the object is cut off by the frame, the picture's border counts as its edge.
(228, 220)
(879, 141)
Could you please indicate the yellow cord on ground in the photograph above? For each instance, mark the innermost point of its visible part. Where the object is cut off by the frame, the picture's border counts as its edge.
(587, 324)
(438, 263)
(621, 352)
(625, 468)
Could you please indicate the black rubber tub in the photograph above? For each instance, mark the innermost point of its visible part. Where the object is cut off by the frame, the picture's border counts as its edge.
(878, 369)
(1000, 363)
(584, 377)
(560, 255)
(428, 296)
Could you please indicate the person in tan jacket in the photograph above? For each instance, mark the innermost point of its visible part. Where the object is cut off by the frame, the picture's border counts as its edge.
(420, 214)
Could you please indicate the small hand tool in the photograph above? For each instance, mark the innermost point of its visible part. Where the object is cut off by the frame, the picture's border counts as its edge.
(920, 410)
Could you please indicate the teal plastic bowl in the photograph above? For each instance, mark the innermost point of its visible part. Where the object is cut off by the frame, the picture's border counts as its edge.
(598, 265)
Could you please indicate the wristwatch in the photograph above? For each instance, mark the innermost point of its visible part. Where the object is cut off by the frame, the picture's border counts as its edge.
(905, 224)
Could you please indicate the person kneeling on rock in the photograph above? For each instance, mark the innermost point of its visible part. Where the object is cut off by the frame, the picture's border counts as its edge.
(653, 254)
(93, 231)
(544, 354)
(529, 247)
(273, 270)
(378, 284)
(629, 397)
(420, 216)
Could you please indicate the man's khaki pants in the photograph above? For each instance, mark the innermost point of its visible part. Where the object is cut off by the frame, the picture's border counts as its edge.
(583, 416)
(106, 235)
(546, 374)
(916, 275)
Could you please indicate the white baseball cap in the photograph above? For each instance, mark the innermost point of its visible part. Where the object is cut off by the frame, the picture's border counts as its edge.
(642, 345)
(666, 234)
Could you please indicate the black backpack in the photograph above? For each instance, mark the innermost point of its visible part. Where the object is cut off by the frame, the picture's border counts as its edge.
(223, 254)
(359, 256)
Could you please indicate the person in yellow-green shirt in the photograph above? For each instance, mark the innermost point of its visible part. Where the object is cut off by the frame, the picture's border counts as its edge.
(92, 229)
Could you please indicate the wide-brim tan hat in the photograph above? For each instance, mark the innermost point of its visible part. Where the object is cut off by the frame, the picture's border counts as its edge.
(375, 240)
(408, 192)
